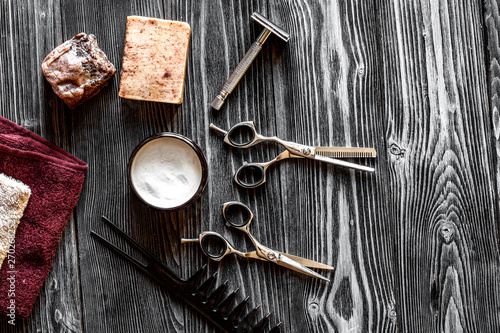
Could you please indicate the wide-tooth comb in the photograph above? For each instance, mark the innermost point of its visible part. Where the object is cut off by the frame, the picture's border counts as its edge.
(213, 306)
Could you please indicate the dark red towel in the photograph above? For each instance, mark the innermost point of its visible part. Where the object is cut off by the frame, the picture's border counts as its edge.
(55, 178)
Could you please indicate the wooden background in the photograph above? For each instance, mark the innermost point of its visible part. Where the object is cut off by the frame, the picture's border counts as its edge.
(415, 245)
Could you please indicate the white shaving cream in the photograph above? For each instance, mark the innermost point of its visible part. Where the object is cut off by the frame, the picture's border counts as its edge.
(166, 172)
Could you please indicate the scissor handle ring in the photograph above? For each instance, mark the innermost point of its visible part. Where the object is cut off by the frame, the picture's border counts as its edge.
(210, 236)
(236, 129)
(247, 170)
(237, 214)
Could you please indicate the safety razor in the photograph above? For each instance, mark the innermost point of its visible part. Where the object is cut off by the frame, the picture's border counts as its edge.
(269, 27)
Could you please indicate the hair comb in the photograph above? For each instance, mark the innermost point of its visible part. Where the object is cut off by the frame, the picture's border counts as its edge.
(208, 301)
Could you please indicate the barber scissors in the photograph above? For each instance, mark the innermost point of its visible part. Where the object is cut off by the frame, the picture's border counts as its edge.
(239, 216)
(251, 175)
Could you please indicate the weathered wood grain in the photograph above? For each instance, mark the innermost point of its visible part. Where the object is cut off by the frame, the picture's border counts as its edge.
(221, 36)
(30, 29)
(326, 95)
(104, 131)
(492, 26)
(441, 171)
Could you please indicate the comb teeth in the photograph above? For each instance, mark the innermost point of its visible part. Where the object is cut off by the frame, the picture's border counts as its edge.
(235, 315)
(225, 306)
(196, 277)
(202, 291)
(214, 297)
(276, 329)
(223, 311)
(245, 324)
(259, 327)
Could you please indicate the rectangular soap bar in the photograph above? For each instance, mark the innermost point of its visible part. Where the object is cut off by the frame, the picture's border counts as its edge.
(154, 60)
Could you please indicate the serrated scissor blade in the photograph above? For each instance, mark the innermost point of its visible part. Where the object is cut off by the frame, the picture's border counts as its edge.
(346, 152)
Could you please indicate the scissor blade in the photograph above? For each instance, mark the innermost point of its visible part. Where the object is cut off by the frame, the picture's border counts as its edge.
(346, 152)
(293, 265)
(307, 262)
(343, 163)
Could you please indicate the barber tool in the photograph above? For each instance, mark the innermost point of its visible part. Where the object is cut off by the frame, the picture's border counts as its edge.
(239, 216)
(269, 27)
(216, 309)
(251, 175)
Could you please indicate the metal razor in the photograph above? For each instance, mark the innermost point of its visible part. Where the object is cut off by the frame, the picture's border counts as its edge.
(269, 27)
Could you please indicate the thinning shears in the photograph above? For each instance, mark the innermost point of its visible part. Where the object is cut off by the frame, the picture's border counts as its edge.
(251, 175)
(239, 216)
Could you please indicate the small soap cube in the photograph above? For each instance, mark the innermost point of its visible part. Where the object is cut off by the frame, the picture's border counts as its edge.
(154, 60)
(77, 69)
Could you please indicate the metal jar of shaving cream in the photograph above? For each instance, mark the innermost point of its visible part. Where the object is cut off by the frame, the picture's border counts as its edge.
(167, 171)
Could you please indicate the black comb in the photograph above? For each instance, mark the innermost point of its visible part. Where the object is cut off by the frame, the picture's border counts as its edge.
(208, 301)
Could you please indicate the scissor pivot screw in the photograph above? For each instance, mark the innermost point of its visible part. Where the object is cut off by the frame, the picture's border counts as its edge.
(271, 256)
(306, 151)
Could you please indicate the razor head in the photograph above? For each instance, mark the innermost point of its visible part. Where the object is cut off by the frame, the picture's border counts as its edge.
(271, 26)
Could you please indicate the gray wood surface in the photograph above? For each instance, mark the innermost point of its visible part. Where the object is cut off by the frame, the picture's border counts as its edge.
(443, 200)
(415, 245)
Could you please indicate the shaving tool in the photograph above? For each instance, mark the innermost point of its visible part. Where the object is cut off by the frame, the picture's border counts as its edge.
(269, 28)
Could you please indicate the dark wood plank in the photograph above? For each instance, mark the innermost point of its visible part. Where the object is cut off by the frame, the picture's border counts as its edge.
(492, 27)
(30, 30)
(442, 174)
(226, 32)
(326, 95)
(105, 130)
(276, 93)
